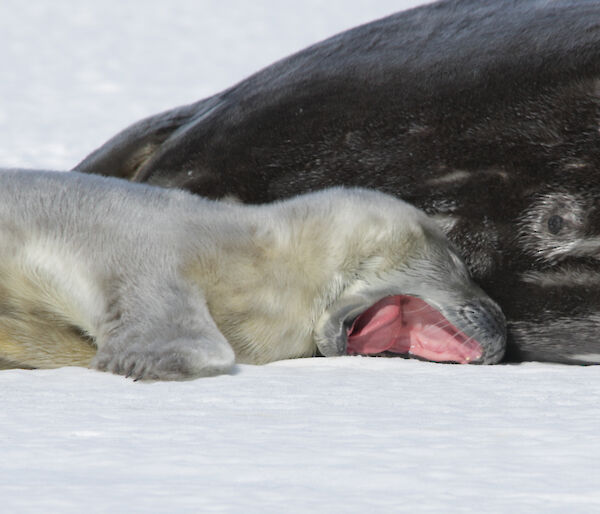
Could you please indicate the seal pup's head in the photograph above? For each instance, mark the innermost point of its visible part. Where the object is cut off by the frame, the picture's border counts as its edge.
(403, 289)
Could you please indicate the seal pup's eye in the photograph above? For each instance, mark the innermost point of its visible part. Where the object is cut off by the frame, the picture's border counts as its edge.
(555, 224)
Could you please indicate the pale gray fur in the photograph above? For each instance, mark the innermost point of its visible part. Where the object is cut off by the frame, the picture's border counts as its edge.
(134, 266)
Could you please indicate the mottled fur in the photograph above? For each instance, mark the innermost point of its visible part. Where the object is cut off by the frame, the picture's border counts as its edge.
(162, 284)
(483, 113)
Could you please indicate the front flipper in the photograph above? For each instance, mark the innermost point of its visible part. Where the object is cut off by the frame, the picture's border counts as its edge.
(170, 337)
(179, 359)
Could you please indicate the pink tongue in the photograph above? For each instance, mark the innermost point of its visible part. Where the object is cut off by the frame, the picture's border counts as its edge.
(407, 325)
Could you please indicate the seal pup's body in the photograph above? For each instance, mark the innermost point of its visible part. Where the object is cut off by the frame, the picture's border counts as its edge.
(162, 284)
(485, 114)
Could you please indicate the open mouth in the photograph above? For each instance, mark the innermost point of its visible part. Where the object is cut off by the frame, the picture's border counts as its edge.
(407, 325)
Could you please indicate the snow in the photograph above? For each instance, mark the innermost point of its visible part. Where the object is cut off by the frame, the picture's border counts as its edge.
(347, 434)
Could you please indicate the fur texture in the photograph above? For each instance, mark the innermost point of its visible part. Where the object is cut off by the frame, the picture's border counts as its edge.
(161, 284)
(486, 114)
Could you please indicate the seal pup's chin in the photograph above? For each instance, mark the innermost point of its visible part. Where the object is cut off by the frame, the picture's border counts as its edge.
(407, 325)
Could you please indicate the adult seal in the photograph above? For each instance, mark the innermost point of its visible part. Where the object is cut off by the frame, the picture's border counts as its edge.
(162, 284)
(485, 114)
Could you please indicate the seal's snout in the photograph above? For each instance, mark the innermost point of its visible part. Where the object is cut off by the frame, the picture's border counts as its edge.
(407, 325)
(487, 316)
(485, 321)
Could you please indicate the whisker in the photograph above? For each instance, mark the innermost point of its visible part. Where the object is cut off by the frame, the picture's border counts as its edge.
(415, 311)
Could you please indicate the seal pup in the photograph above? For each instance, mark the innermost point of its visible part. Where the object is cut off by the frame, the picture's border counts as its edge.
(162, 284)
(484, 114)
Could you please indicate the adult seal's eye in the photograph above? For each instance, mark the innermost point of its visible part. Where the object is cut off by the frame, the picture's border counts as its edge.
(555, 223)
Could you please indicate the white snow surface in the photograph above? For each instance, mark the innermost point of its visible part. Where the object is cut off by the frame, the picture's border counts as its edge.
(348, 434)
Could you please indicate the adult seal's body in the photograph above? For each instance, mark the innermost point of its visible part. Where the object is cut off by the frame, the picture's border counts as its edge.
(486, 114)
(160, 284)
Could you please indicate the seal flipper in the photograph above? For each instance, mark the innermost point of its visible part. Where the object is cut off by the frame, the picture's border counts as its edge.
(174, 339)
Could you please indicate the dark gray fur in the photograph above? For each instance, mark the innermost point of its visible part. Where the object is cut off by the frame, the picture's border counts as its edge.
(486, 113)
